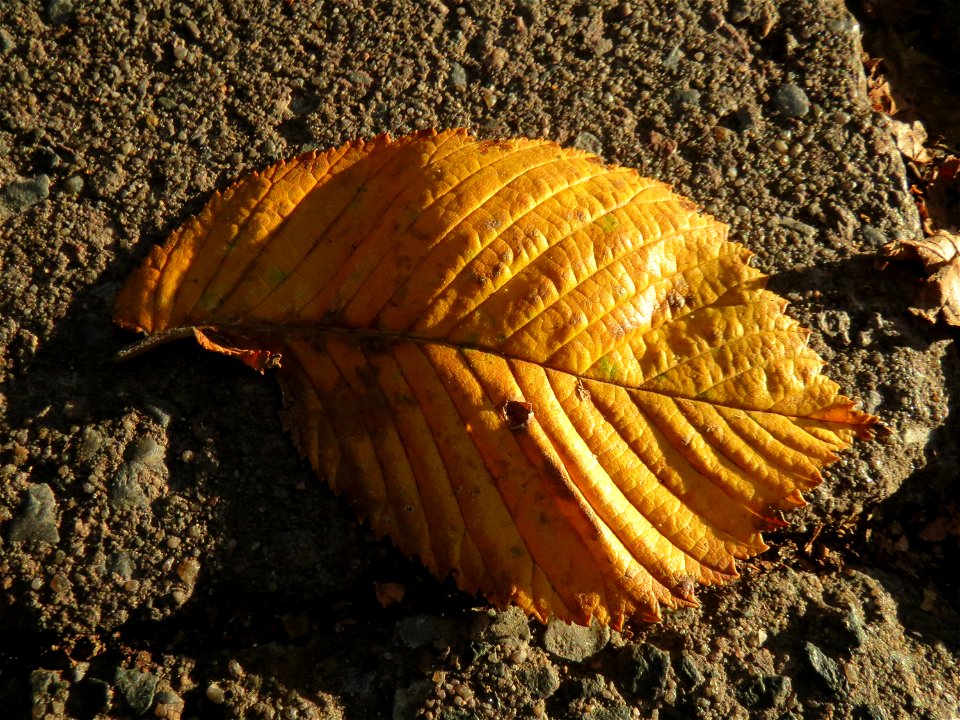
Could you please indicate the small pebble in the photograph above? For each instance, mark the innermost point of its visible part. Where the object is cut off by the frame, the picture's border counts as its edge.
(588, 141)
(687, 98)
(73, 185)
(673, 58)
(458, 77)
(20, 194)
(7, 42)
(791, 101)
(138, 688)
(59, 11)
(188, 571)
(827, 668)
(168, 697)
(574, 642)
(37, 519)
(215, 694)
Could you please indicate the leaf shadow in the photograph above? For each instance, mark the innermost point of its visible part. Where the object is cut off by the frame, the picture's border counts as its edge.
(909, 538)
(284, 564)
(288, 574)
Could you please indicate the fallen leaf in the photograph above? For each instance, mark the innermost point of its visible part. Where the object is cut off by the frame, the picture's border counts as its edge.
(878, 88)
(910, 139)
(942, 192)
(940, 256)
(551, 378)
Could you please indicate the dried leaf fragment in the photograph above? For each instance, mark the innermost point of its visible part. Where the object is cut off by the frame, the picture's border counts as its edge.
(551, 378)
(940, 256)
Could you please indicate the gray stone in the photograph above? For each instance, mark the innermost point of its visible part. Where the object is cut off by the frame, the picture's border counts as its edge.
(827, 669)
(47, 689)
(92, 441)
(7, 43)
(138, 688)
(73, 185)
(148, 452)
(843, 632)
(855, 627)
(59, 11)
(874, 236)
(686, 98)
(120, 563)
(509, 624)
(689, 671)
(791, 101)
(541, 681)
(588, 141)
(37, 519)
(644, 670)
(20, 194)
(765, 692)
(168, 697)
(588, 687)
(575, 642)
(126, 492)
(458, 77)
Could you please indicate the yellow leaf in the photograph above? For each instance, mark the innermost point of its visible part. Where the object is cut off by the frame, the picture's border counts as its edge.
(551, 378)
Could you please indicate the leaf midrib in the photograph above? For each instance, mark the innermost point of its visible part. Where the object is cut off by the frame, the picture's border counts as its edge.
(271, 331)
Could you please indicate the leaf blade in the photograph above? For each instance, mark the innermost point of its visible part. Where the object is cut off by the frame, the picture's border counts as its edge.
(415, 288)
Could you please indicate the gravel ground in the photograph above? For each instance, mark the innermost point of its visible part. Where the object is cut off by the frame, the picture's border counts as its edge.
(164, 553)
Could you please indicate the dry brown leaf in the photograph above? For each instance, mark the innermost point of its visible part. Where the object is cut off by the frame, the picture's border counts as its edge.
(878, 88)
(940, 256)
(551, 378)
(910, 139)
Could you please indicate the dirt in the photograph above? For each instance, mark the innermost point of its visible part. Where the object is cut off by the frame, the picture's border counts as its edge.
(164, 553)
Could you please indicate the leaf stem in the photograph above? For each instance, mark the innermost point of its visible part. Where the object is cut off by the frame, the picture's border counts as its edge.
(153, 341)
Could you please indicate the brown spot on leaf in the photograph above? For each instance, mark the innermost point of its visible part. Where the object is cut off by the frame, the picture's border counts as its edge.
(517, 413)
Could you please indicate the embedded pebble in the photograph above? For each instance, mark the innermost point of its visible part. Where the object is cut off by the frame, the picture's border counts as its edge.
(37, 519)
(73, 185)
(827, 668)
(458, 77)
(20, 194)
(509, 624)
(644, 670)
(138, 688)
(791, 101)
(764, 692)
(574, 642)
(126, 492)
(147, 451)
(7, 43)
(215, 694)
(686, 98)
(188, 570)
(59, 11)
(541, 681)
(588, 141)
